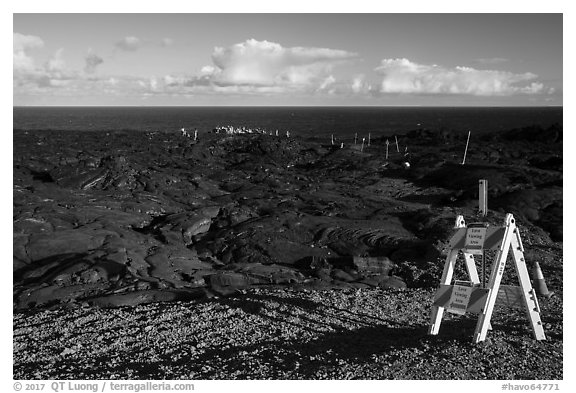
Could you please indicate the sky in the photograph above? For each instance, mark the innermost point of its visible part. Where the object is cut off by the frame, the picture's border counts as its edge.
(373, 59)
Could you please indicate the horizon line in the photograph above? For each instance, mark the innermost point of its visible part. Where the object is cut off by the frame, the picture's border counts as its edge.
(292, 106)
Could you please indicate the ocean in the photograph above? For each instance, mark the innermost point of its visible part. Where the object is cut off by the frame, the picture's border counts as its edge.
(302, 121)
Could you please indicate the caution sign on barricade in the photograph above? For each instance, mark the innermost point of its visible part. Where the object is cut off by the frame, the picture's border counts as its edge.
(459, 298)
(469, 296)
(475, 237)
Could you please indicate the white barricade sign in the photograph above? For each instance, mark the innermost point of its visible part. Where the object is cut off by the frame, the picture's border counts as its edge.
(469, 296)
(459, 299)
(474, 241)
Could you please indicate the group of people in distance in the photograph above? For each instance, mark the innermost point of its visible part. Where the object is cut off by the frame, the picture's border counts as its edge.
(187, 134)
(231, 130)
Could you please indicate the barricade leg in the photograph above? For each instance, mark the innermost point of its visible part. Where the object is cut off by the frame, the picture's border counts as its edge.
(437, 311)
(494, 283)
(528, 293)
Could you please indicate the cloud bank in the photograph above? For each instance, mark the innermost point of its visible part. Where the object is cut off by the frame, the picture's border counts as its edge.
(30, 77)
(27, 73)
(404, 76)
(264, 63)
(263, 68)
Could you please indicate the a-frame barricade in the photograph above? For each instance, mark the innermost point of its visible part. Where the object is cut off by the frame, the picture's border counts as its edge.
(471, 297)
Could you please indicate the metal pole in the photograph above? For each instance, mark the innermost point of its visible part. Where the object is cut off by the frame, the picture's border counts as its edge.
(483, 269)
(483, 210)
(465, 151)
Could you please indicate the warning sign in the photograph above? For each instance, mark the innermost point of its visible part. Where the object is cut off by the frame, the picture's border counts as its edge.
(459, 299)
(475, 239)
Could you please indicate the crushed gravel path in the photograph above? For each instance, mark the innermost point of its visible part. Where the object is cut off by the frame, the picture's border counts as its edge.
(284, 334)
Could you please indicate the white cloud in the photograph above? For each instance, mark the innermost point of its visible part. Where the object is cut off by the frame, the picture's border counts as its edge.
(56, 62)
(27, 74)
(33, 78)
(23, 44)
(154, 84)
(330, 80)
(404, 76)
(359, 85)
(208, 70)
(182, 81)
(263, 63)
(171, 80)
(129, 44)
(534, 88)
(261, 67)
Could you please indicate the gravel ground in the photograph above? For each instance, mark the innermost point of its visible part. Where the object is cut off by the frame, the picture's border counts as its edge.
(285, 334)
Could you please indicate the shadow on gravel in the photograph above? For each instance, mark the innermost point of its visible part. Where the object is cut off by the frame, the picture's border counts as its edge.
(328, 351)
(308, 359)
(312, 359)
(255, 304)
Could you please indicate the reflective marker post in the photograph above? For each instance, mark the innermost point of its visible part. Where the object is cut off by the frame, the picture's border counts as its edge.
(483, 197)
(387, 144)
